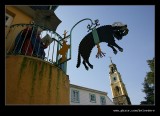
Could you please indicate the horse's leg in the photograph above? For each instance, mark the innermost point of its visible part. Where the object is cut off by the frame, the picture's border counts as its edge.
(84, 63)
(119, 48)
(90, 65)
(114, 50)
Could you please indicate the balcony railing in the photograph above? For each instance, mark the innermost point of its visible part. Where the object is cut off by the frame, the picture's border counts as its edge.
(21, 39)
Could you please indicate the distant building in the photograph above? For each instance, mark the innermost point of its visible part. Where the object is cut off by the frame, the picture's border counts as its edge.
(86, 96)
(119, 92)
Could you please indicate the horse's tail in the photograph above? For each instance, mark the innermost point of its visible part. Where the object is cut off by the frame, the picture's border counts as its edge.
(78, 59)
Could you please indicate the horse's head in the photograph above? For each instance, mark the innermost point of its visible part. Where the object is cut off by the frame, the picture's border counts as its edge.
(119, 30)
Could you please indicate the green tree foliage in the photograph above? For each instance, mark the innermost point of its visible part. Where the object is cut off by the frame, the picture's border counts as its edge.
(149, 84)
(150, 75)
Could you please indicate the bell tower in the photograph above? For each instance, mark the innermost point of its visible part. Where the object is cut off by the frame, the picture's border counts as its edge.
(119, 92)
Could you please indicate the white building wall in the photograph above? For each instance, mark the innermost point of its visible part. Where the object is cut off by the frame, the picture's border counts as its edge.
(84, 97)
(108, 101)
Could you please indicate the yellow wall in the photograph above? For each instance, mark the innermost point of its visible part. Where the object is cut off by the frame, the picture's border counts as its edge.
(33, 81)
(19, 17)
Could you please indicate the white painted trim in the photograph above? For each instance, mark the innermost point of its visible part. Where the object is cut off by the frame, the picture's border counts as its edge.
(9, 20)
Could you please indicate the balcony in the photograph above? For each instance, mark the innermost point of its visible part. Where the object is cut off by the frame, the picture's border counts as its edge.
(34, 76)
(16, 44)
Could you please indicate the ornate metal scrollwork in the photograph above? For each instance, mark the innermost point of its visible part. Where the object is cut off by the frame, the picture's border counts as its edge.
(90, 27)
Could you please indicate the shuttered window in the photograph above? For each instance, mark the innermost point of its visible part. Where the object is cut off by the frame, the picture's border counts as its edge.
(75, 96)
(92, 98)
(102, 100)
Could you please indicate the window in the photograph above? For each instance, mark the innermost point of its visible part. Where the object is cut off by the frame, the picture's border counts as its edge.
(112, 69)
(8, 19)
(102, 100)
(75, 96)
(92, 97)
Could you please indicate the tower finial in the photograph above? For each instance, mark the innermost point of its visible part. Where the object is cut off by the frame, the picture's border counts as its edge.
(111, 60)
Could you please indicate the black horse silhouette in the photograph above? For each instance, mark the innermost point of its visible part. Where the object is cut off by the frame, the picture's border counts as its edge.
(106, 34)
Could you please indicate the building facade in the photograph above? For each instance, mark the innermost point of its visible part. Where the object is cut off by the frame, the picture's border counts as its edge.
(119, 92)
(29, 78)
(86, 96)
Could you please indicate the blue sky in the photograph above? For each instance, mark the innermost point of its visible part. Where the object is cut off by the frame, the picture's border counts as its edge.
(138, 45)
